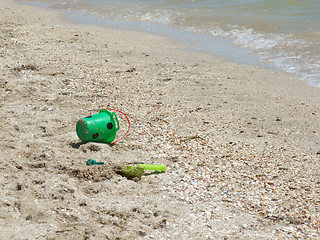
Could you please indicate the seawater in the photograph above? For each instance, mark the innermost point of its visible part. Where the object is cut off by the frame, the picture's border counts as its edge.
(283, 34)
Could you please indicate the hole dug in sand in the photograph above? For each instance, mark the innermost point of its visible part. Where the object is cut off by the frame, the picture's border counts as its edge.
(92, 173)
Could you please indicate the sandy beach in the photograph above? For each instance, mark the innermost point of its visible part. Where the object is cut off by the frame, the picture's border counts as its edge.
(240, 143)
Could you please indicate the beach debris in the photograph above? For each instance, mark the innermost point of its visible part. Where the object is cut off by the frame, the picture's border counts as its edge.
(131, 70)
(31, 67)
(136, 172)
(94, 162)
(190, 138)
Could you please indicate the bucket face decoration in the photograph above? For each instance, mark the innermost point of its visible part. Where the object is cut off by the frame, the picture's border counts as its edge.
(101, 127)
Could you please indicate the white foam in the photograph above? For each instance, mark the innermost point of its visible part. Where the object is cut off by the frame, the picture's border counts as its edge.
(247, 37)
(284, 51)
(156, 16)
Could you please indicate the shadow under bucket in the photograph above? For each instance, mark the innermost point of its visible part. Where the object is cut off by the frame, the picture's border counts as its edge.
(101, 127)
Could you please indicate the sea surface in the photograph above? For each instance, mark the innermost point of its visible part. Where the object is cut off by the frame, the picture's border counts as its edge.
(283, 35)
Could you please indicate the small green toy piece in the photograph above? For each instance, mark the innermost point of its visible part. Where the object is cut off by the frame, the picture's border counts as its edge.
(132, 172)
(94, 162)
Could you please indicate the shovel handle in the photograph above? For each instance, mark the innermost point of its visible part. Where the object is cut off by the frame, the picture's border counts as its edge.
(159, 168)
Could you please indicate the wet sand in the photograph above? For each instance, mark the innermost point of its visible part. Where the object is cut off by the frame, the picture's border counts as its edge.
(241, 143)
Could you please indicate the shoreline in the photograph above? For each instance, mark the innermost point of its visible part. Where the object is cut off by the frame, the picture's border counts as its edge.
(221, 46)
(241, 143)
(188, 41)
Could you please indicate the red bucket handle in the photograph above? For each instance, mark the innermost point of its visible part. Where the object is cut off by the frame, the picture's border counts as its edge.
(118, 124)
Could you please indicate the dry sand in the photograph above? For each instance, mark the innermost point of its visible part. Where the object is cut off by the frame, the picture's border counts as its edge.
(241, 143)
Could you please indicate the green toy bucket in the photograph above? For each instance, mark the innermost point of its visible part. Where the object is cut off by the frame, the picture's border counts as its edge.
(101, 127)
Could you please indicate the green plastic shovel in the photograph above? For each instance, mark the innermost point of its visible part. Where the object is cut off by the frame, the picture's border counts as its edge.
(131, 172)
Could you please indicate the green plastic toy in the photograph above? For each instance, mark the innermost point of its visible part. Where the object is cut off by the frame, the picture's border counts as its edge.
(142, 167)
(94, 162)
(101, 127)
(132, 172)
